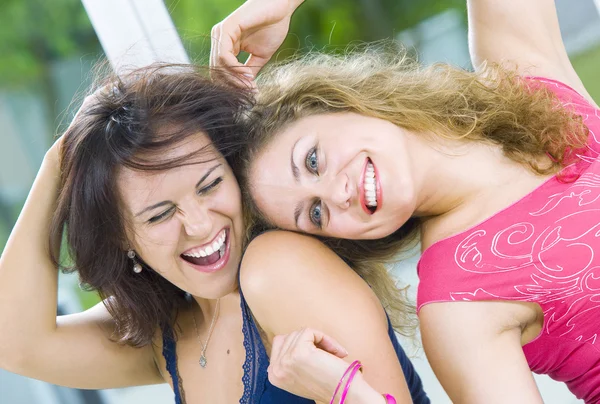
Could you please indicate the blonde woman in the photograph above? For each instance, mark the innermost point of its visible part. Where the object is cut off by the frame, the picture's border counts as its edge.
(496, 171)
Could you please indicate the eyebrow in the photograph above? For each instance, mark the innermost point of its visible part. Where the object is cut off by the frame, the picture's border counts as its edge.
(159, 204)
(295, 169)
(297, 212)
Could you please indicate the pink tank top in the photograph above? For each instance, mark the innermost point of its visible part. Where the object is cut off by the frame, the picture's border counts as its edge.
(544, 248)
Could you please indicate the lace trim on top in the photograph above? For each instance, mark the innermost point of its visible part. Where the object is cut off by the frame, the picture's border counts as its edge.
(256, 363)
(170, 354)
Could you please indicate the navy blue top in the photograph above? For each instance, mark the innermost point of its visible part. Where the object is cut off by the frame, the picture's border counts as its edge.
(257, 388)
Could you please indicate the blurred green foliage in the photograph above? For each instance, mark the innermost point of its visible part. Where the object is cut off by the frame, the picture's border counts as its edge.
(34, 33)
(587, 66)
(316, 24)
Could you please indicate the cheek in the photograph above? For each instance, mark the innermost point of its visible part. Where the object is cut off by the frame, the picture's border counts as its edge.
(156, 243)
(162, 234)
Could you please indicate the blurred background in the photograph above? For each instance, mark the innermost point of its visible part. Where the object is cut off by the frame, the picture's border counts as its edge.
(48, 50)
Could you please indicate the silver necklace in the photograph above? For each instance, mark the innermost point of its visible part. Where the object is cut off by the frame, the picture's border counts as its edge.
(202, 361)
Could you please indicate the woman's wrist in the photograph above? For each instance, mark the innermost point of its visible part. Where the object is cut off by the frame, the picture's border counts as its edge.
(361, 392)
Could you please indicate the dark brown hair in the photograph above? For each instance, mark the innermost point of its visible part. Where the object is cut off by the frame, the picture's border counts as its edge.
(128, 123)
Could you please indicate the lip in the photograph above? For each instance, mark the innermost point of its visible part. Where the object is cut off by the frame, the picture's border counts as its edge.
(361, 189)
(378, 192)
(221, 263)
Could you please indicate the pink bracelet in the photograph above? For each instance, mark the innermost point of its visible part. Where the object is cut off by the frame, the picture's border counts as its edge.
(356, 368)
(389, 399)
(352, 365)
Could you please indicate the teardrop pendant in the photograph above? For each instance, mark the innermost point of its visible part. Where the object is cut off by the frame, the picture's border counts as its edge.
(202, 361)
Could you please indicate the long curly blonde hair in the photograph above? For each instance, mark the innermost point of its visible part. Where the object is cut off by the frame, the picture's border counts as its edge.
(493, 105)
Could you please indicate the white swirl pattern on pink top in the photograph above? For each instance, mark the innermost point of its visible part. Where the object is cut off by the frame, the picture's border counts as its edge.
(543, 249)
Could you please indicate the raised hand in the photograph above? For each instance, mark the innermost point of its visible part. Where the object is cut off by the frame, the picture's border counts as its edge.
(307, 363)
(258, 27)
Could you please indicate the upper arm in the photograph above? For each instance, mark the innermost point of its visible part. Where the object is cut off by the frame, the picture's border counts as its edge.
(475, 351)
(521, 34)
(292, 281)
(80, 354)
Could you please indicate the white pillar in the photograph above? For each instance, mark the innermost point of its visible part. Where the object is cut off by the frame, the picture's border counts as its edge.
(135, 33)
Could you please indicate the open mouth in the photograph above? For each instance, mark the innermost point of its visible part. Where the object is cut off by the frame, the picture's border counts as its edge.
(370, 188)
(211, 256)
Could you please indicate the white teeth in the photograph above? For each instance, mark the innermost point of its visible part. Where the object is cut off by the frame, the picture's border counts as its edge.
(217, 245)
(370, 186)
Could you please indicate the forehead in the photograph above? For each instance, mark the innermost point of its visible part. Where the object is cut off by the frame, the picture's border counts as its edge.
(276, 202)
(323, 123)
(138, 186)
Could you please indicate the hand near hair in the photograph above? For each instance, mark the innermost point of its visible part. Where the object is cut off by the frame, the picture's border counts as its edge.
(309, 364)
(53, 154)
(258, 27)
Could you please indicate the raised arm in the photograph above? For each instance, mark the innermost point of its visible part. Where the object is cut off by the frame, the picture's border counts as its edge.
(475, 351)
(72, 350)
(521, 34)
(292, 281)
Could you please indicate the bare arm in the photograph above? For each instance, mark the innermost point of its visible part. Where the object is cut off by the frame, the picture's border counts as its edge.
(293, 281)
(72, 350)
(475, 351)
(521, 34)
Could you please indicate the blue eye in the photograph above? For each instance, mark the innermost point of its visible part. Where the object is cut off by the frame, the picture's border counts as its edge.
(316, 214)
(312, 161)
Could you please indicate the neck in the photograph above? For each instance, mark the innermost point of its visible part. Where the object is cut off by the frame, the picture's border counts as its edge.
(450, 173)
(208, 306)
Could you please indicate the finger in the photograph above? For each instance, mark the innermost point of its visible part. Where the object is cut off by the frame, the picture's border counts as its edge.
(227, 66)
(289, 343)
(256, 63)
(324, 342)
(228, 50)
(276, 348)
(224, 68)
(214, 43)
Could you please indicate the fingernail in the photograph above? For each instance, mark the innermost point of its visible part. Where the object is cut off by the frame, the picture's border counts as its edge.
(250, 76)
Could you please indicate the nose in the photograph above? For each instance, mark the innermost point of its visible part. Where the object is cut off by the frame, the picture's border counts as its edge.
(197, 221)
(340, 191)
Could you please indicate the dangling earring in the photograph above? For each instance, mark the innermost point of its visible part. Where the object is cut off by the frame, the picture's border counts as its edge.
(137, 267)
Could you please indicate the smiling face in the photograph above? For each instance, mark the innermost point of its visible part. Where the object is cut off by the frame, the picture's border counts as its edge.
(341, 175)
(186, 222)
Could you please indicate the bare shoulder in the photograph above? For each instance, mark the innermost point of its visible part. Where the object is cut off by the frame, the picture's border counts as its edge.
(292, 281)
(287, 277)
(286, 256)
